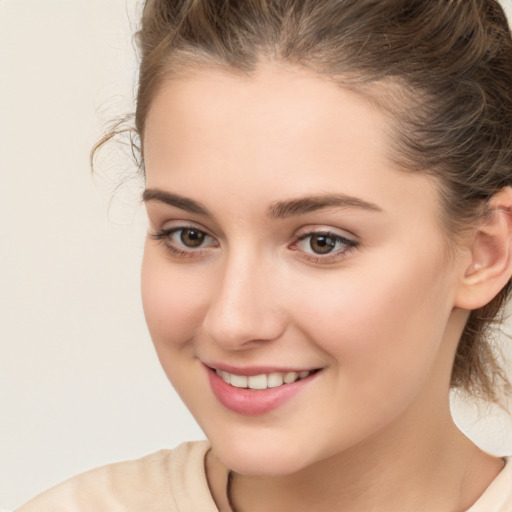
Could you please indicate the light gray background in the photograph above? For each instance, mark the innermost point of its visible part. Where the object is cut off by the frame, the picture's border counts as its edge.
(80, 385)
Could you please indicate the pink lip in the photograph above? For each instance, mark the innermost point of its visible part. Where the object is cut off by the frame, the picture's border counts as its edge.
(252, 402)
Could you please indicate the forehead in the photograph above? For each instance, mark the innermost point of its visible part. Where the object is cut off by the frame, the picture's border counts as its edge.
(283, 132)
(276, 110)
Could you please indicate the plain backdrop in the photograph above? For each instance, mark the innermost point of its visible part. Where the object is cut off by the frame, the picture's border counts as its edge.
(80, 385)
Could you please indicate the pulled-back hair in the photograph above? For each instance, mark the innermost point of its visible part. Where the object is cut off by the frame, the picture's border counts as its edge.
(442, 70)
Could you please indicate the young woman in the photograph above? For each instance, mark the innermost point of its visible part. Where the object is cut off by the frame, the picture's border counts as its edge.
(328, 187)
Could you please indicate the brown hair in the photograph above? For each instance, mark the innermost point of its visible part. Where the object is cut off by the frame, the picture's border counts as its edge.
(445, 74)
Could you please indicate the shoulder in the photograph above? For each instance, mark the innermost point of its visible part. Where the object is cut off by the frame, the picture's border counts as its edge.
(148, 484)
(498, 496)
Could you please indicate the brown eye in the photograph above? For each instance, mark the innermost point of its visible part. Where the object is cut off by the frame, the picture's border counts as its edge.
(322, 243)
(192, 237)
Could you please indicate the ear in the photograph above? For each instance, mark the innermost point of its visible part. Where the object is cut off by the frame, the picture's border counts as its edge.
(490, 261)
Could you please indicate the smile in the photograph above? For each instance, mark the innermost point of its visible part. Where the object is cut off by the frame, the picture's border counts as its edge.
(264, 390)
(262, 381)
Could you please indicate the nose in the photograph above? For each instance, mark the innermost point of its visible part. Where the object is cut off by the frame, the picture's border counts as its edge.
(245, 309)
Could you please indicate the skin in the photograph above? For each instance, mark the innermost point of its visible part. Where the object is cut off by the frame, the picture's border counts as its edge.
(381, 318)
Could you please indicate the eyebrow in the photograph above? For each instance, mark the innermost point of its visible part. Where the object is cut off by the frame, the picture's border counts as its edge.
(284, 209)
(184, 203)
(278, 210)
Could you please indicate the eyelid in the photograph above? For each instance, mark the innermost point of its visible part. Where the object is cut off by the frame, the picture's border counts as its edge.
(183, 224)
(176, 225)
(320, 228)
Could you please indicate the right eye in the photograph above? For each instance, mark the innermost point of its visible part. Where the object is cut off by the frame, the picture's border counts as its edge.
(185, 241)
(191, 237)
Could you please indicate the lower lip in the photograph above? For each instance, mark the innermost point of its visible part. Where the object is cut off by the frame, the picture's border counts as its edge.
(252, 402)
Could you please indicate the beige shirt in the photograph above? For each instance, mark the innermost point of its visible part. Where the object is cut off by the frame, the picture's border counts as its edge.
(175, 481)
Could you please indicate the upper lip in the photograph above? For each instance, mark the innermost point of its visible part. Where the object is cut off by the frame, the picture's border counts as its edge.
(256, 370)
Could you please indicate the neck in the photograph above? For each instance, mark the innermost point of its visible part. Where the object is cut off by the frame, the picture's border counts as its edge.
(436, 469)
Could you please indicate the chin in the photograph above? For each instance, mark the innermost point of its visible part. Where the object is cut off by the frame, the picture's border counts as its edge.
(260, 458)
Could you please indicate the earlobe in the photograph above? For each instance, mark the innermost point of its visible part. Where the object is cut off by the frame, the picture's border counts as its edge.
(490, 264)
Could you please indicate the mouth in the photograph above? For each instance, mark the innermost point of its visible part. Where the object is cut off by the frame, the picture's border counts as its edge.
(254, 391)
(263, 380)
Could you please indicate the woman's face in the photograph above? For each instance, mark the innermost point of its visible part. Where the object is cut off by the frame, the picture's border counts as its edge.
(284, 245)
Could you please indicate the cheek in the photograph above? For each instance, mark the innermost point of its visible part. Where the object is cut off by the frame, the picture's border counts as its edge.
(384, 323)
(174, 299)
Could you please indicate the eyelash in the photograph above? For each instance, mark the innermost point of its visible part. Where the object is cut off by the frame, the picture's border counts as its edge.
(165, 236)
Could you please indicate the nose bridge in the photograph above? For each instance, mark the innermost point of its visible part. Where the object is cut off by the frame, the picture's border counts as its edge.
(244, 308)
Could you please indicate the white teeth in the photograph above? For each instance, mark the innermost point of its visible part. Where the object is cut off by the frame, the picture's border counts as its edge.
(239, 381)
(290, 377)
(275, 380)
(257, 381)
(262, 381)
(226, 377)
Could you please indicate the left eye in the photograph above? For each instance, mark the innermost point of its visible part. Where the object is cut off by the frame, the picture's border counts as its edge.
(324, 243)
